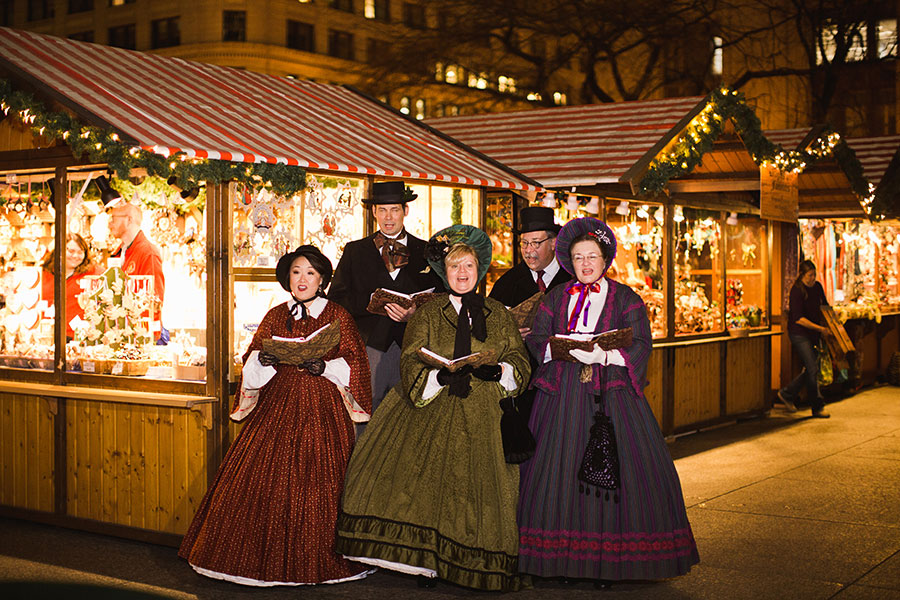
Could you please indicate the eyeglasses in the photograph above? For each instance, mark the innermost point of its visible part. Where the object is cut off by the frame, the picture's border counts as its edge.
(525, 245)
(589, 258)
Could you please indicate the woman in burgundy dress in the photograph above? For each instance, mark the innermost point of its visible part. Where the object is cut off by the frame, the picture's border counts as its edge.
(269, 517)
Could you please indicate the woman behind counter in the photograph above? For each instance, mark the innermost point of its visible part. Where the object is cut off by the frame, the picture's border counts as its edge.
(428, 489)
(804, 328)
(78, 265)
(268, 519)
(637, 528)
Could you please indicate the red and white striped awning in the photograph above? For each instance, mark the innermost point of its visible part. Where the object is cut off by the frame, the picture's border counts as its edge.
(170, 105)
(571, 146)
(875, 154)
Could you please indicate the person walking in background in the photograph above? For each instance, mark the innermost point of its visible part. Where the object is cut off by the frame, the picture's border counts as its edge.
(429, 491)
(805, 326)
(393, 259)
(600, 499)
(268, 518)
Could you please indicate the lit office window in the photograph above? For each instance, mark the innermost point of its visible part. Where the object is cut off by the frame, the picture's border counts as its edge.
(560, 98)
(420, 109)
(717, 64)
(234, 26)
(506, 84)
(404, 105)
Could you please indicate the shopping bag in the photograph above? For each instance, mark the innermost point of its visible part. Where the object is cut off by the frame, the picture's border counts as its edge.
(826, 372)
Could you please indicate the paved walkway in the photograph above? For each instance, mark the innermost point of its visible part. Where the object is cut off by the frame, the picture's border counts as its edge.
(786, 507)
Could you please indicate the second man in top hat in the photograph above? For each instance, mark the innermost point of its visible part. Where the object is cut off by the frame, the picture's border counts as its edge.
(390, 258)
(538, 270)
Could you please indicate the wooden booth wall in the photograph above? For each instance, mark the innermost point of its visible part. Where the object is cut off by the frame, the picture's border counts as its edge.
(699, 383)
(115, 463)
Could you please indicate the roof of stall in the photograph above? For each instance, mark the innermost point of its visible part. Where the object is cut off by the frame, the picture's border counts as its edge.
(169, 105)
(602, 144)
(838, 184)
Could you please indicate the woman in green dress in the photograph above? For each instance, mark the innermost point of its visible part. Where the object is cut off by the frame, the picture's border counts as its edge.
(428, 490)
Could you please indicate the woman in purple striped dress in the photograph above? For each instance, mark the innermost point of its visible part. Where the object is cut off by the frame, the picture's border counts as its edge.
(570, 526)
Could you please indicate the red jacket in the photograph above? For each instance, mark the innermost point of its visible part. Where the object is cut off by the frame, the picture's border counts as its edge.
(143, 258)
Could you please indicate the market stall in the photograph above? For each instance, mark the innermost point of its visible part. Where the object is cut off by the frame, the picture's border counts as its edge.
(116, 377)
(691, 187)
(848, 226)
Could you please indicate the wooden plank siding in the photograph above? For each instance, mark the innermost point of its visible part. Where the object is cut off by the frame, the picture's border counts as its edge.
(131, 465)
(654, 390)
(746, 375)
(26, 450)
(697, 384)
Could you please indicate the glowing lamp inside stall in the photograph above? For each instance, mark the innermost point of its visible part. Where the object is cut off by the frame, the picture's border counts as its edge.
(732, 219)
(593, 206)
(549, 200)
(659, 214)
(678, 217)
(644, 212)
(100, 226)
(622, 208)
(572, 202)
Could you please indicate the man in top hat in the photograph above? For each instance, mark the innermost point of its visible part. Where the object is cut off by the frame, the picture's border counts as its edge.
(539, 270)
(139, 255)
(391, 259)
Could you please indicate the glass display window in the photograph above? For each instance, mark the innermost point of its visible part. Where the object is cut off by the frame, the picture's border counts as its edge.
(746, 271)
(856, 262)
(140, 307)
(639, 263)
(252, 300)
(699, 277)
(437, 207)
(499, 227)
(27, 230)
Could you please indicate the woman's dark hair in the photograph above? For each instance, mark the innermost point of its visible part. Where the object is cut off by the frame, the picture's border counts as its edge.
(805, 267)
(317, 261)
(589, 237)
(85, 263)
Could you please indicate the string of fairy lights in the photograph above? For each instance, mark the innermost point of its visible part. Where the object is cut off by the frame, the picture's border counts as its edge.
(105, 146)
(705, 128)
(680, 158)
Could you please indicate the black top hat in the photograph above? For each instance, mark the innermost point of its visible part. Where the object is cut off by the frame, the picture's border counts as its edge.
(390, 192)
(537, 218)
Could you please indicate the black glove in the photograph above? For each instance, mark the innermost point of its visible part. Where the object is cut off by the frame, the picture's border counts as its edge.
(267, 360)
(488, 372)
(446, 377)
(315, 366)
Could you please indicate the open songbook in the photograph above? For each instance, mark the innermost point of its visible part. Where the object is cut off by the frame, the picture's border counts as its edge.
(560, 344)
(525, 311)
(383, 296)
(433, 359)
(294, 351)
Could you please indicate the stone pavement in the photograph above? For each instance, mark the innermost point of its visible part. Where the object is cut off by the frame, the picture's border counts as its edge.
(786, 507)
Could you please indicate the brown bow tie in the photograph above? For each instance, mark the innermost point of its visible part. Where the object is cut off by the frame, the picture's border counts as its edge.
(394, 254)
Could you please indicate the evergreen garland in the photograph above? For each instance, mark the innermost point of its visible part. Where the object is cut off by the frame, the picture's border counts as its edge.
(105, 146)
(707, 126)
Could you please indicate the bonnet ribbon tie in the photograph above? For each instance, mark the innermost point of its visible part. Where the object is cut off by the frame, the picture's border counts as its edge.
(582, 304)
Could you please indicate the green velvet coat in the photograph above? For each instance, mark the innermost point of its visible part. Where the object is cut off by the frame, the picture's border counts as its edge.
(427, 483)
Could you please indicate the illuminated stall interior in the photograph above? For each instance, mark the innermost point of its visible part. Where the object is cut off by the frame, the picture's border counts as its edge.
(119, 383)
(849, 204)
